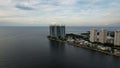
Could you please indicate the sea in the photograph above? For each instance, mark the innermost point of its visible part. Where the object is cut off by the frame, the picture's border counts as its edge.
(29, 47)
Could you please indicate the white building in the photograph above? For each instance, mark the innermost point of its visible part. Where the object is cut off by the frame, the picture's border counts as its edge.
(103, 36)
(117, 38)
(93, 35)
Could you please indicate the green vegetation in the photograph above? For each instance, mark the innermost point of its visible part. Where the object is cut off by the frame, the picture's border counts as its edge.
(74, 36)
(83, 36)
(52, 37)
(87, 33)
(55, 38)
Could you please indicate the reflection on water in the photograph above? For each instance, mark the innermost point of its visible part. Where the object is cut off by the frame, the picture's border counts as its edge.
(57, 46)
(57, 54)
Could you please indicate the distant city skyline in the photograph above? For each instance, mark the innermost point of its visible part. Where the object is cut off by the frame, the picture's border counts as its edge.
(68, 12)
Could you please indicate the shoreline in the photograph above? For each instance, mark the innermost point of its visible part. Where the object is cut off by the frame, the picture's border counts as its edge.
(84, 46)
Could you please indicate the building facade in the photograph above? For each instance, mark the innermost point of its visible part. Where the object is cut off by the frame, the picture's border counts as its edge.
(93, 35)
(117, 38)
(103, 36)
(57, 31)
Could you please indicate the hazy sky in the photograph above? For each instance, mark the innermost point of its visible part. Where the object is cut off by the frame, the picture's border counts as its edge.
(68, 12)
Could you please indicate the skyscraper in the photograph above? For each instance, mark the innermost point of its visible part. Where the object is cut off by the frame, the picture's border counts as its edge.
(103, 36)
(57, 31)
(93, 35)
(117, 38)
(53, 31)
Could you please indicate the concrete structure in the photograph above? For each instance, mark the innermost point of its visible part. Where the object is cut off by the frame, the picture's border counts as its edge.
(117, 38)
(57, 31)
(103, 36)
(53, 31)
(93, 35)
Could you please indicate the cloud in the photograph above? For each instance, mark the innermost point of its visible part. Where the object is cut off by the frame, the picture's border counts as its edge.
(69, 12)
(24, 7)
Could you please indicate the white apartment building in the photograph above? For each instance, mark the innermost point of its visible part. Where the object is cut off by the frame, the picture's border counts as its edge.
(102, 36)
(93, 35)
(117, 38)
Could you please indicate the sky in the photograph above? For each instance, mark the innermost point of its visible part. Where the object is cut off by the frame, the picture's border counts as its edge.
(67, 12)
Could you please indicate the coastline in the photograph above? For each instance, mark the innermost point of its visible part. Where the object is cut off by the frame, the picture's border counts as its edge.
(84, 46)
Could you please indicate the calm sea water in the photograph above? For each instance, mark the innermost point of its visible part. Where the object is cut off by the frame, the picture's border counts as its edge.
(28, 47)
